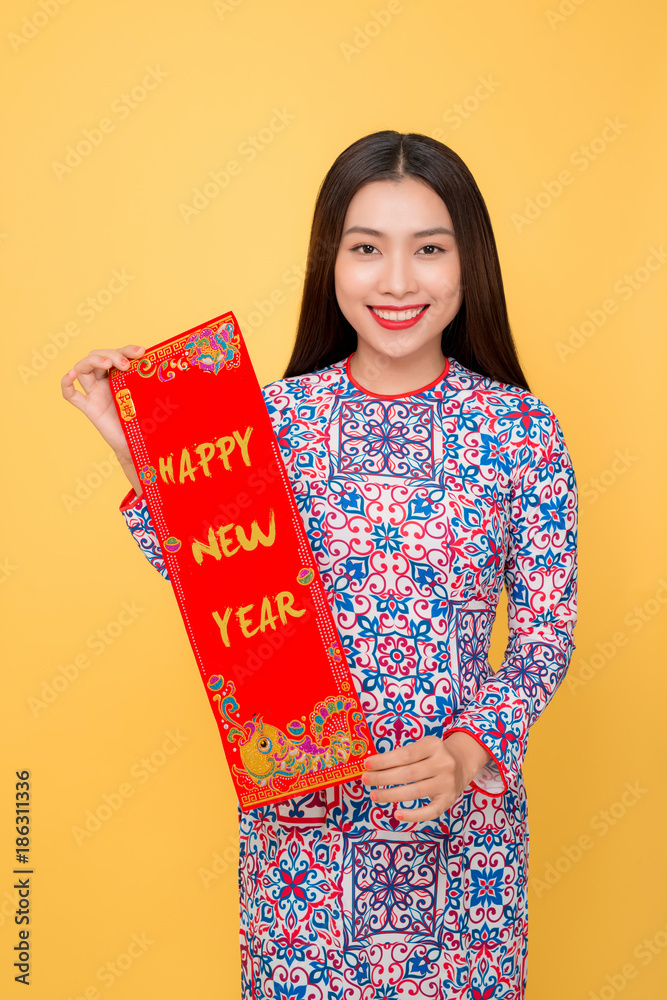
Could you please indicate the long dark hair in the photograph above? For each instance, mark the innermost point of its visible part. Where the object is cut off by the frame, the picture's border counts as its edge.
(479, 336)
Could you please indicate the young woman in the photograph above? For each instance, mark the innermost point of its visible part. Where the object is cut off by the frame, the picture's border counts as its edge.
(428, 476)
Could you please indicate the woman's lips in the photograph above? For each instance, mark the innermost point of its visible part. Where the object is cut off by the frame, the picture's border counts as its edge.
(409, 316)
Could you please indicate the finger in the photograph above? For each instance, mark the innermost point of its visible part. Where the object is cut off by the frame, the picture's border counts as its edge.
(430, 788)
(130, 352)
(434, 810)
(409, 754)
(71, 394)
(88, 380)
(104, 357)
(96, 365)
(398, 775)
(436, 761)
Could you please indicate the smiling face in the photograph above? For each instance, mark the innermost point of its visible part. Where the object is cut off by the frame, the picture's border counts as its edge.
(397, 273)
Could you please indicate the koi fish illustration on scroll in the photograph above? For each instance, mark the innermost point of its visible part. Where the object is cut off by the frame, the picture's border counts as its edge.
(267, 753)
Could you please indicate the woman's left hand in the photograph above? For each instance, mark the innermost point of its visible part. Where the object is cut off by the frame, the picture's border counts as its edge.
(430, 768)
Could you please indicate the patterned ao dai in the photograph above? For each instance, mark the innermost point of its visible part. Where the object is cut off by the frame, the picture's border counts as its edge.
(419, 508)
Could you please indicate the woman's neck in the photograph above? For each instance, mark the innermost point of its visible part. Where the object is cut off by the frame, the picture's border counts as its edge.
(387, 376)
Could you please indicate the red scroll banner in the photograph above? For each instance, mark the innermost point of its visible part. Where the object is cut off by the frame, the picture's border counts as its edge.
(241, 566)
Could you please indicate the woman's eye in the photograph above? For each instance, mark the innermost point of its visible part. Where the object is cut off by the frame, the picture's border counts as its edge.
(367, 250)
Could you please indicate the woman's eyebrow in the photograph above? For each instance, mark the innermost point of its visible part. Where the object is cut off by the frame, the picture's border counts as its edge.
(437, 230)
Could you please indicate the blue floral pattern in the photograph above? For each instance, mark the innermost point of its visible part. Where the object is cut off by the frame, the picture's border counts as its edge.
(137, 518)
(394, 888)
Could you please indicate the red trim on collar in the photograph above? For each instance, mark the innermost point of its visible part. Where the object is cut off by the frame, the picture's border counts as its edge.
(401, 395)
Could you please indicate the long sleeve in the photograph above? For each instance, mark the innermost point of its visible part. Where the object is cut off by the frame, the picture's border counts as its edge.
(541, 579)
(137, 517)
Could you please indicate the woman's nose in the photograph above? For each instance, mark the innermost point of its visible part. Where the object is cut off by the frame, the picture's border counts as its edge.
(398, 275)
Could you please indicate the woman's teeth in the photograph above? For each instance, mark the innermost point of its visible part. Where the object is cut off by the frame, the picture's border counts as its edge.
(398, 316)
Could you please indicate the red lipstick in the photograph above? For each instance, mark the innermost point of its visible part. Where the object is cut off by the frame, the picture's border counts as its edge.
(390, 324)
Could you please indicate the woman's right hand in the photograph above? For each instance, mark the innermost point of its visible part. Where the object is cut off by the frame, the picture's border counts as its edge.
(96, 400)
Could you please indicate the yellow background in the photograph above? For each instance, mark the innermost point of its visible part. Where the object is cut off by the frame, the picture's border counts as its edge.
(219, 72)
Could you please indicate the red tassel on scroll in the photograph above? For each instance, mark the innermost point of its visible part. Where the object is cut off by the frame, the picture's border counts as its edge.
(242, 569)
